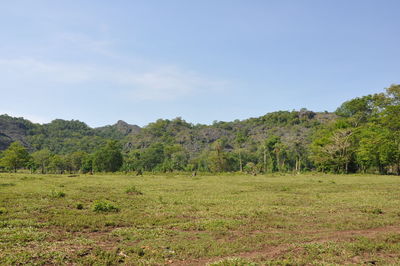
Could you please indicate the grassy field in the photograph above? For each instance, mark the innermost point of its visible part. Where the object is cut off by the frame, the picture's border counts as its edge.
(216, 220)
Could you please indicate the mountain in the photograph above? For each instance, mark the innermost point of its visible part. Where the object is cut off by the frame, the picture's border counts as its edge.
(118, 130)
(59, 136)
(62, 136)
(292, 127)
(14, 129)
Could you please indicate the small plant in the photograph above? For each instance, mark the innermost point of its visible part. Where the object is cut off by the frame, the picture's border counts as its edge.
(104, 206)
(377, 211)
(133, 191)
(372, 211)
(7, 184)
(79, 206)
(58, 194)
(3, 210)
(232, 262)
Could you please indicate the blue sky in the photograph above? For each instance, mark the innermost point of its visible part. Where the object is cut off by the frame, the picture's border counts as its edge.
(101, 61)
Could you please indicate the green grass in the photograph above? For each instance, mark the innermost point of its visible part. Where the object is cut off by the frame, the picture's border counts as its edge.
(220, 220)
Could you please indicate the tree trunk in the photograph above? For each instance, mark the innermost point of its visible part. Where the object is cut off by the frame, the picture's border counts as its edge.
(299, 165)
(265, 160)
(240, 162)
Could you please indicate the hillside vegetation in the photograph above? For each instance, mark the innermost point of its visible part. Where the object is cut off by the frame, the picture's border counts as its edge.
(361, 136)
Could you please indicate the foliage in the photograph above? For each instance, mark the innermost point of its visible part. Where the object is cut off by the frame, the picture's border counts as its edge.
(362, 136)
(104, 206)
(108, 158)
(14, 157)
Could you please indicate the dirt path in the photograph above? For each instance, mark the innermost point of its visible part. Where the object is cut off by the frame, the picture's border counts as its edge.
(273, 252)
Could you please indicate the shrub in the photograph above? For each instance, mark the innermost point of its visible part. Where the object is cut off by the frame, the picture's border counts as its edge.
(104, 206)
(3, 210)
(79, 206)
(232, 262)
(133, 190)
(58, 194)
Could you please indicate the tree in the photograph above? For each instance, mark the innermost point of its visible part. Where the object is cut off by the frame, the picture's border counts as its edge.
(108, 158)
(75, 161)
(271, 151)
(15, 157)
(42, 159)
(152, 156)
(217, 161)
(239, 141)
(333, 149)
(57, 164)
(87, 163)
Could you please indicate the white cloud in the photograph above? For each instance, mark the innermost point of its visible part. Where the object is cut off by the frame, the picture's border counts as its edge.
(167, 83)
(85, 42)
(156, 83)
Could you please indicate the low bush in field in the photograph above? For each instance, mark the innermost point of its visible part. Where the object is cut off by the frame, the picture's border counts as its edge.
(133, 191)
(57, 194)
(3, 210)
(232, 262)
(104, 206)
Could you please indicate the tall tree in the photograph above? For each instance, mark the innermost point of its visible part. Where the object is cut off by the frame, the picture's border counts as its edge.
(15, 156)
(42, 159)
(108, 158)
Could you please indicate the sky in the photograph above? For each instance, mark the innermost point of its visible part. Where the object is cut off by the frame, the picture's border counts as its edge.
(100, 61)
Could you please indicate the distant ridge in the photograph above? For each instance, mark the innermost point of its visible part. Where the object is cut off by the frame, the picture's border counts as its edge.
(64, 136)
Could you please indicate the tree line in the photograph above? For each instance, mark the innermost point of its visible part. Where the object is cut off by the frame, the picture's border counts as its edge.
(365, 138)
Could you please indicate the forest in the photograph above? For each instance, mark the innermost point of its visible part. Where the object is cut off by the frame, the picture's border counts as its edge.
(361, 136)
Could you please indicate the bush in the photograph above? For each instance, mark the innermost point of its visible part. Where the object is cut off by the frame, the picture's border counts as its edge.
(3, 210)
(58, 194)
(104, 206)
(133, 190)
(79, 206)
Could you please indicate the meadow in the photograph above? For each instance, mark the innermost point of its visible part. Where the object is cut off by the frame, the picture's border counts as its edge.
(183, 220)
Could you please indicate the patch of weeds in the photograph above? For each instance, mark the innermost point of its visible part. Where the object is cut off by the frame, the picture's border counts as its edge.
(232, 262)
(161, 200)
(285, 189)
(3, 210)
(104, 206)
(103, 257)
(79, 206)
(21, 235)
(58, 194)
(7, 184)
(375, 211)
(366, 245)
(132, 190)
(28, 178)
(393, 238)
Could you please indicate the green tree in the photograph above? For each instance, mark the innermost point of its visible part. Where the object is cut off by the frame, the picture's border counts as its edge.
(152, 157)
(108, 158)
(87, 163)
(15, 156)
(333, 150)
(270, 152)
(240, 140)
(58, 164)
(217, 157)
(42, 159)
(75, 160)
